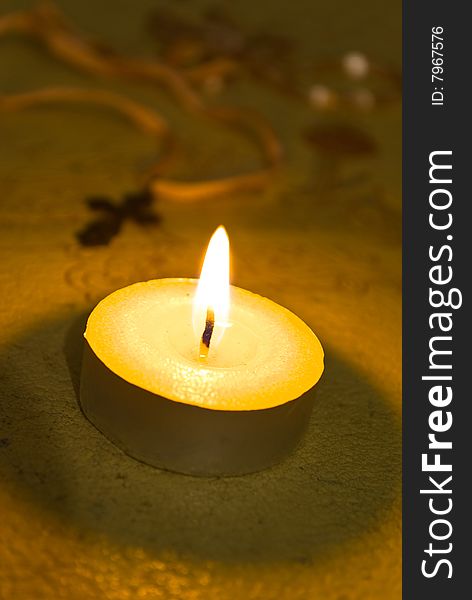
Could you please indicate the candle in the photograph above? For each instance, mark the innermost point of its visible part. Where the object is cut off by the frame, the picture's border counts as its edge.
(198, 376)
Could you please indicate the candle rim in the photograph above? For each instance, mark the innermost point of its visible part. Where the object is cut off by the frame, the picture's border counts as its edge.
(310, 379)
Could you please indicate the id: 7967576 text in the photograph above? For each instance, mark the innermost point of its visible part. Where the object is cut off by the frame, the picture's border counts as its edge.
(437, 65)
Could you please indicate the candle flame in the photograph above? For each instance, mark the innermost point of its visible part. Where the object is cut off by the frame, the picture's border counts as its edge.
(211, 302)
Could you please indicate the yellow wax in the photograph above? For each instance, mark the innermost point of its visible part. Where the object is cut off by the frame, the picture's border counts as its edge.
(267, 356)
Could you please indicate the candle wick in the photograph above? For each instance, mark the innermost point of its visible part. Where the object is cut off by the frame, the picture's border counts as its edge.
(207, 333)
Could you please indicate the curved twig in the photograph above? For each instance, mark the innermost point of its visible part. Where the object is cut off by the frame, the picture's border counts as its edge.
(47, 25)
(151, 123)
(188, 192)
(143, 117)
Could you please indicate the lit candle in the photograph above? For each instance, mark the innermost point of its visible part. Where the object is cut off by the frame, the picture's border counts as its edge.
(198, 376)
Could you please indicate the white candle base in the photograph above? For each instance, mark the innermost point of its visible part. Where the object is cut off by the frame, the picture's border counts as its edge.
(185, 438)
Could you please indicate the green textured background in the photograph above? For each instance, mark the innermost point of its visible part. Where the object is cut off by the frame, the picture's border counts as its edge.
(78, 518)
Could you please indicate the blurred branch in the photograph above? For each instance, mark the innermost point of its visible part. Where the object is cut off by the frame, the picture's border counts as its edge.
(47, 25)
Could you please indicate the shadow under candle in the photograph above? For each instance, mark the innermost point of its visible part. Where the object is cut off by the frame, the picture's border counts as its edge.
(339, 483)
